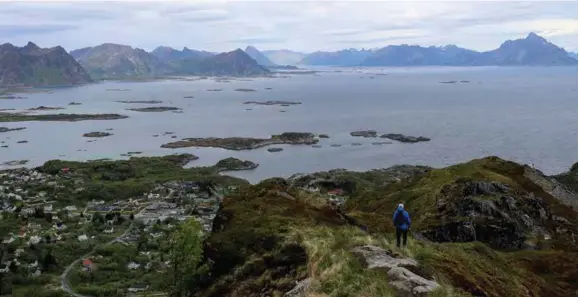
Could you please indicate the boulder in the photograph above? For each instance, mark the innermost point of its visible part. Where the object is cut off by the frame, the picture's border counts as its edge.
(404, 274)
(300, 289)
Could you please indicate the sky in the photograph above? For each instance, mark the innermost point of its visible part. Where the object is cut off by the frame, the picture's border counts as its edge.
(304, 26)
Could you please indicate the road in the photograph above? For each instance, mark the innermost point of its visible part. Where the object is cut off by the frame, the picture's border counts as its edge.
(64, 276)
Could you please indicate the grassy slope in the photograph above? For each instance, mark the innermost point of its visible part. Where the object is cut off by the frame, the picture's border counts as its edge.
(473, 267)
(374, 207)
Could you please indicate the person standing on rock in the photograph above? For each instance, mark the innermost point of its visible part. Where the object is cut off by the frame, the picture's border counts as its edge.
(401, 220)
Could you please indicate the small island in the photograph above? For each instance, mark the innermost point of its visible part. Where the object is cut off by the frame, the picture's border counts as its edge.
(22, 141)
(364, 133)
(188, 97)
(336, 145)
(65, 117)
(97, 134)
(140, 101)
(74, 103)
(282, 103)
(381, 142)
(316, 146)
(323, 136)
(214, 90)
(356, 144)
(245, 90)
(15, 163)
(274, 149)
(6, 129)
(155, 109)
(117, 90)
(404, 138)
(45, 108)
(244, 143)
(234, 164)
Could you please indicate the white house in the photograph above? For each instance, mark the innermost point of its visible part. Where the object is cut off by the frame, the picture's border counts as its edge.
(133, 265)
(70, 208)
(9, 240)
(33, 264)
(48, 208)
(34, 239)
(138, 287)
(109, 231)
(82, 237)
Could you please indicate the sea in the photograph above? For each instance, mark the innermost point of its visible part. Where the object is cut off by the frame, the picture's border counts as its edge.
(523, 114)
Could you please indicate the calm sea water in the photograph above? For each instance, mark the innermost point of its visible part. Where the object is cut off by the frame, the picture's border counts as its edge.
(528, 115)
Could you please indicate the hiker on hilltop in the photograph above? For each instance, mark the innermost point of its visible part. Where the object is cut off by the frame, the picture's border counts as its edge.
(401, 221)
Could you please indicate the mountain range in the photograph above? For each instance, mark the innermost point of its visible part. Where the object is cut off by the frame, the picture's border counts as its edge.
(533, 50)
(111, 61)
(31, 65)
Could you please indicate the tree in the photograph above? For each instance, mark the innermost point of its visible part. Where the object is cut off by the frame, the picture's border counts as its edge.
(185, 252)
(132, 217)
(48, 217)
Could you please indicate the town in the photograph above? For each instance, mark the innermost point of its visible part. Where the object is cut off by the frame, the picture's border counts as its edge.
(93, 247)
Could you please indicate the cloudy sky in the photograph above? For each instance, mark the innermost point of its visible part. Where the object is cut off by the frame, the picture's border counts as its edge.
(304, 26)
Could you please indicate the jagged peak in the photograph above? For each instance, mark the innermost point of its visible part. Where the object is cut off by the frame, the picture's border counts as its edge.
(31, 46)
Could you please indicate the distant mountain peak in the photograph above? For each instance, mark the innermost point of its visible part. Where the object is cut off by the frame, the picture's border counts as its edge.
(534, 37)
(32, 65)
(258, 56)
(31, 45)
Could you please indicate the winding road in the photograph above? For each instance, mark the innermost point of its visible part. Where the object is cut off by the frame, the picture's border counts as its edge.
(64, 276)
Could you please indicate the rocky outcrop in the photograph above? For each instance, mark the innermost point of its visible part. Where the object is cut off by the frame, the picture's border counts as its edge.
(364, 133)
(245, 143)
(404, 274)
(493, 213)
(404, 138)
(155, 109)
(97, 134)
(233, 164)
(552, 186)
(300, 290)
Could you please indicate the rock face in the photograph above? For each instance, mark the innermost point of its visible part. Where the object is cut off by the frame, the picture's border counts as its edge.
(35, 66)
(404, 138)
(119, 61)
(255, 54)
(403, 273)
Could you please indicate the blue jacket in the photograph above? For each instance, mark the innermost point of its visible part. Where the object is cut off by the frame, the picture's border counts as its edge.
(406, 218)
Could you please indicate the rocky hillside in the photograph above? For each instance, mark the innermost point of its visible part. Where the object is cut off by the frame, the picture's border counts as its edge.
(166, 54)
(234, 63)
(34, 66)
(532, 50)
(118, 61)
(488, 227)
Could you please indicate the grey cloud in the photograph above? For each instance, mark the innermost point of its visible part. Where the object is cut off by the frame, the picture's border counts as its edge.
(257, 40)
(8, 31)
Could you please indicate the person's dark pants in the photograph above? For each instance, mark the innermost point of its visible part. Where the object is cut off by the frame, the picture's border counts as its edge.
(401, 233)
